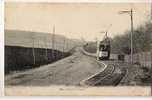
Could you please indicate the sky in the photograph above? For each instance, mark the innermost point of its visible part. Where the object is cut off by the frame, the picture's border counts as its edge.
(75, 20)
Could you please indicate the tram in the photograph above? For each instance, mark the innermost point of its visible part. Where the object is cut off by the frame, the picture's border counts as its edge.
(103, 49)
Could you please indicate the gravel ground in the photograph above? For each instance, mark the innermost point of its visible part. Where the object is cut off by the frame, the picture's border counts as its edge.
(133, 74)
(69, 71)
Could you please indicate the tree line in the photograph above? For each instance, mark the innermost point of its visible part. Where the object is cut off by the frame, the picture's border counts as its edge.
(142, 40)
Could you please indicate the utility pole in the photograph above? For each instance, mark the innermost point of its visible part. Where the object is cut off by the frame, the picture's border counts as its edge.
(106, 34)
(53, 36)
(33, 50)
(38, 44)
(63, 45)
(97, 52)
(67, 47)
(132, 29)
(45, 42)
(131, 15)
(151, 11)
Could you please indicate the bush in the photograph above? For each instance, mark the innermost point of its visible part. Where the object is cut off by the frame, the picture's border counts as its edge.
(142, 40)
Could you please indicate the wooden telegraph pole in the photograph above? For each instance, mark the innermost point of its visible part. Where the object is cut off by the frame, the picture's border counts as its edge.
(131, 15)
(151, 11)
(63, 46)
(33, 50)
(130, 12)
(53, 36)
(46, 53)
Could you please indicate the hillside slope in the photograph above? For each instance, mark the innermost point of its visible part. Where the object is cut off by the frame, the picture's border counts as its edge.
(40, 40)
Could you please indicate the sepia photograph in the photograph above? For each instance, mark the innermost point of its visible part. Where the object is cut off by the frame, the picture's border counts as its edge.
(78, 48)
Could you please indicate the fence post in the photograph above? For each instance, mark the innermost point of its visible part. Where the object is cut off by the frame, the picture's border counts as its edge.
(33, 49)
(151, 59)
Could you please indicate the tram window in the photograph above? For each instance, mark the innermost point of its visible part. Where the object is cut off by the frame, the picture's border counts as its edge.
(101, 47)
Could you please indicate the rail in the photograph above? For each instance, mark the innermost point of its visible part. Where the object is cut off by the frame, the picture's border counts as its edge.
(109, 75)
(98, 62)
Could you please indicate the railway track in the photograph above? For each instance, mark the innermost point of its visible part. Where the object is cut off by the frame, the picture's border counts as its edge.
(110, 76)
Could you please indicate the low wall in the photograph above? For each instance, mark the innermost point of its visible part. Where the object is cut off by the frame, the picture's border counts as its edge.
(21, 58)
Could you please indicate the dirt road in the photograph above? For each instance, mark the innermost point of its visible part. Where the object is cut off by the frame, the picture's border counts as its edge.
(69, 71)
